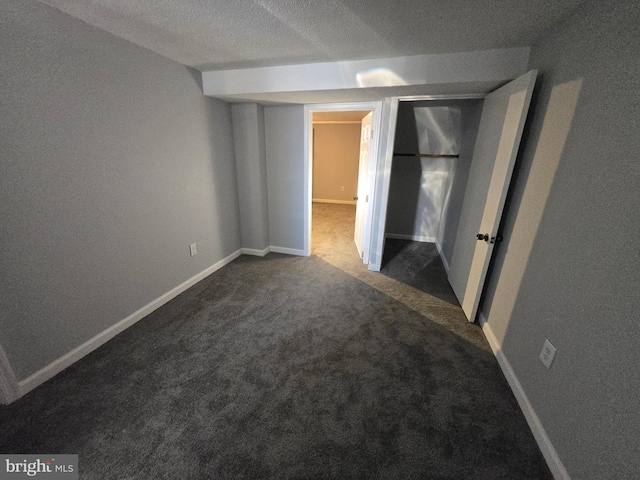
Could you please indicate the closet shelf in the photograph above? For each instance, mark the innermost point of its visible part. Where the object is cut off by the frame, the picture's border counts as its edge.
(428, 155)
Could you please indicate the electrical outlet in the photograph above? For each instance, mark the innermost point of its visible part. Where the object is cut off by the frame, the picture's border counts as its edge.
(193, 250)
(548, 353)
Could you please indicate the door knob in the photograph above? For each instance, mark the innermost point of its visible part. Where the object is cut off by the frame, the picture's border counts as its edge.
(484, 237)
(355, 198)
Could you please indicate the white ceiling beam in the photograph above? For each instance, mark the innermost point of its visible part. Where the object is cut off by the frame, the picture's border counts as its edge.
(467, 67)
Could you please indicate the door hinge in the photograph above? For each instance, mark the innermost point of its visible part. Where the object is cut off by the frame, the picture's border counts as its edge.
(366, 199)
(372, 133)
(362, 254)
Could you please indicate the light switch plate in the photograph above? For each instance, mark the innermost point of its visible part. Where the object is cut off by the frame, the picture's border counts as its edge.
(193, 250)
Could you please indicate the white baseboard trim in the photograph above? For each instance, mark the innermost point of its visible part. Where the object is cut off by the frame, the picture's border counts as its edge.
(288, 251)
(9, 388)
(415, 238)
(255, 252)
(90, 345)
(339, 202)
(442, 257)
(546, 447)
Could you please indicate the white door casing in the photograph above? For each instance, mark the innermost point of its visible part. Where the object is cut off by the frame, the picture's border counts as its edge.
(503, 117)
(363, 184)
(376, 108)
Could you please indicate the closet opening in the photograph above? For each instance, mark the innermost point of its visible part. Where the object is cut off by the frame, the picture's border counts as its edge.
(433, 148)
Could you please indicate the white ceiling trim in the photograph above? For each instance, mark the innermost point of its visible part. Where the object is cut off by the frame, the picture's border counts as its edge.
(489, 66)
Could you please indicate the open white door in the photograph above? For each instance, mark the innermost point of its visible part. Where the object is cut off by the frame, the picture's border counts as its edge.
(362, 197)
(503, 116)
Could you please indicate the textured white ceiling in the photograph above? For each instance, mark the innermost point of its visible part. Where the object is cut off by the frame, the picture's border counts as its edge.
(224, 34)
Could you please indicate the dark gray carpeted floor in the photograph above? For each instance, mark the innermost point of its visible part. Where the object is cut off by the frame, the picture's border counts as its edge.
(282, 367)
(417, 264)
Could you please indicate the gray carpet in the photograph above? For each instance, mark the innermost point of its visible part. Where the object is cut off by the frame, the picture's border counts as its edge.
(417, 264)
(282, 367)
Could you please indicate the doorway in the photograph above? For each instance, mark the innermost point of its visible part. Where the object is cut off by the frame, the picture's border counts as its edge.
(339, 171)
(339, 183)
(499, 131)
(433, 148)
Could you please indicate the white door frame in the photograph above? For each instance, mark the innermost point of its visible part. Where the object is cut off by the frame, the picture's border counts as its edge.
(309, 110)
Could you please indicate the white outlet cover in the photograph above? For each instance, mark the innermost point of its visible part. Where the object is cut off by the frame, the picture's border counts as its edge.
(192, 249)
(548, 353)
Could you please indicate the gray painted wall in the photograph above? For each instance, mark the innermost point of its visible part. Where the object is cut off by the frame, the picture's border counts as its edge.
(284, 134)
(251, 168)
(569, 268)
(417, 192)
(113, 162)
(415, 200)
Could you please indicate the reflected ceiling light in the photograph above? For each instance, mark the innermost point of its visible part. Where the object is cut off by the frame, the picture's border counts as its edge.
(379, 77)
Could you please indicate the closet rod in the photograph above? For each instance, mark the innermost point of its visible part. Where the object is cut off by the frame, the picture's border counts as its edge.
(429, 155)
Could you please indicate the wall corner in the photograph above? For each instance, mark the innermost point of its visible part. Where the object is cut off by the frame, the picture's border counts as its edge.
(9, 388)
